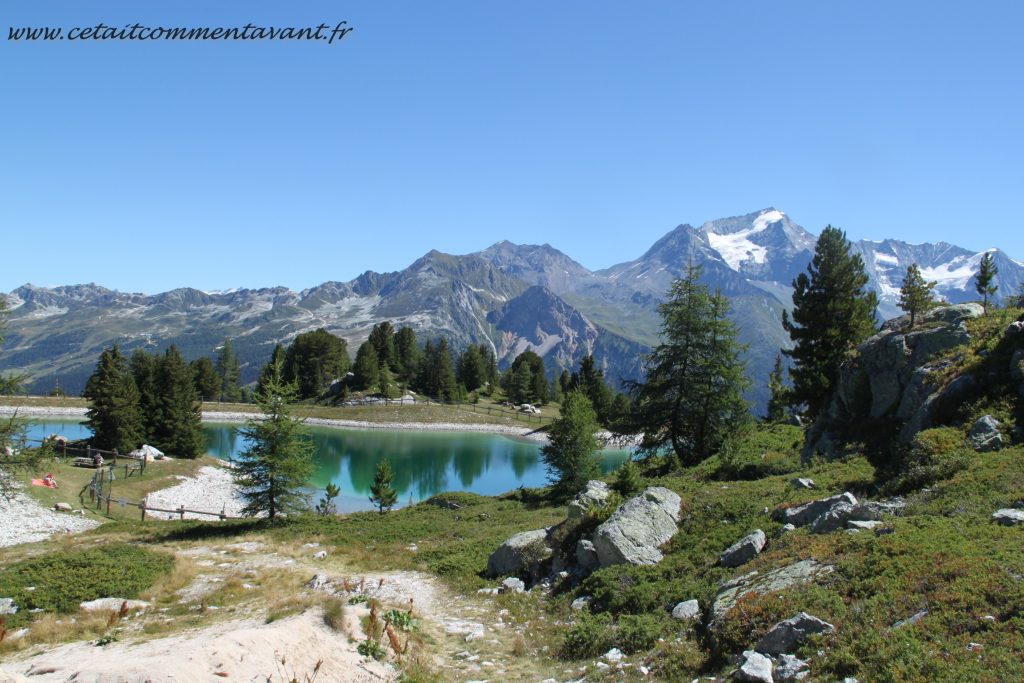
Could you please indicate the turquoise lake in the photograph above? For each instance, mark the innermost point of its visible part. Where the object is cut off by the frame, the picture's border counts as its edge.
(424, 463)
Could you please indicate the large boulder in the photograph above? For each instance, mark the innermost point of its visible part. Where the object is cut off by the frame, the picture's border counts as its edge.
(638, 528)
(596, 494)
(586, 556)
(743, 550)
(791, 668)
(1008, 517)
(688, 610)
(521, 553)
(984, 435)
(755, 583)
(7, 606)
(786, 635)
(889, 377)
(755, 668)
(801, 515)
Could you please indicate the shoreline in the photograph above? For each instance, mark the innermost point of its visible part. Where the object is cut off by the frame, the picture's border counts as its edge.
(237, 417)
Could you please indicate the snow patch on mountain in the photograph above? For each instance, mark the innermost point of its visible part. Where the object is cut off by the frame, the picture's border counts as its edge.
(881, 257)
(955, 274)
(737, 247)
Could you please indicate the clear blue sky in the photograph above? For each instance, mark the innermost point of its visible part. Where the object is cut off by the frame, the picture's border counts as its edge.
(594, 126)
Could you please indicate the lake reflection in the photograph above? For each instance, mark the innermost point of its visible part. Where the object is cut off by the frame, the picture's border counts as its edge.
(424, 463)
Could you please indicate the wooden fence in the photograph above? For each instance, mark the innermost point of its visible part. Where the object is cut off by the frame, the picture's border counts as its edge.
(101, 492)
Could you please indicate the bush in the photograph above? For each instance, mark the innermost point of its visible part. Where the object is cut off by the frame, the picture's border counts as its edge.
(762, 451)
(933, 455)
(66, 578)
(590, 636)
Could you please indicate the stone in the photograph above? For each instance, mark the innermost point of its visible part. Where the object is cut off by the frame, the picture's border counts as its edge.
(786, 635)
(785, 529)
(803, 483)
(688, 610)
(580, 604)
(635, 531)
(801, 515)
(743, 550)
(984, 435)
(837, 517)
(62, 507)
(318, 582)
(148, 453)
(791, 668)
(1008, 516)
(520, 553)
(512, 585)
(112, 605)
(320, 554)
(613, 656)
(751, 583)
(911, 620)
(595, 494)
(586, 556)
(755, 668)
(863, 525)
(7, 606)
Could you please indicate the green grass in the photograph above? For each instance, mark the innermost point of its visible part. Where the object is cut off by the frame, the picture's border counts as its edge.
(60, 580)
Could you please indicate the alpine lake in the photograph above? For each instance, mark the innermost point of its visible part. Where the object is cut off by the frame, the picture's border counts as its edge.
(425, 463)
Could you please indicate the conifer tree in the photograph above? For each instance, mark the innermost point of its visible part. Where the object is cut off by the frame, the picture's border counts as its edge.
(274, 365)
(143, 370)
(382, 336)
(384, 495)
(572, 445)
(916, 295)
(113, 414)
(229, 372)
(366, 371)
(178, 429)
(314, 360)
(326, 504)
(628, 481)
(779, 398)
(985, 280)
(204, 376)
(833, 311)
(407, 355)
(472, 370)
(446, 382)
(590, 381)
(692, 397)
(273, 470)
(12, 428)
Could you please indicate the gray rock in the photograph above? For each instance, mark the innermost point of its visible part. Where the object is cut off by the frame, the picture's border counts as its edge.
(786, 635)
(320, 555)
(686, 611)
(911, 620)
(318, 582)
(635, 531)
(519, 553)
(756, 668)
(743, 550)
(512, 585)
(803, 483)
(838, 516)
(580, 604)
(785, 529)
(860, 525)
(791, 668)
(62, 507)
(586, 556)
(596, 494)
(112, 605)
(7, 606)
(751, 583)
(800, 515)
(984, 435)
(1008, 516)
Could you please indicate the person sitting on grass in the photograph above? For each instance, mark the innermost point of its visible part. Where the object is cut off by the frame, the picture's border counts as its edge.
(49, 481)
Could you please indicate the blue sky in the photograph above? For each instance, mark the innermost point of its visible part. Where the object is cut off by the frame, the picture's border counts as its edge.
(593, 126)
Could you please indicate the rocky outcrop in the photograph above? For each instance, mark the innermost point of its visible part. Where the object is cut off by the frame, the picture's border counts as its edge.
(521, 553)
(801, 515)
(638, 528)
(776, 580)
(1008, 517)
(743, 550)
(984, 435)
(890, 377)
(596, 494)
(786, 635)
(791, 668)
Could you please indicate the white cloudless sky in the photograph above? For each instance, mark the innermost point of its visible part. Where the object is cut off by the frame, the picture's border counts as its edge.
(593, 126)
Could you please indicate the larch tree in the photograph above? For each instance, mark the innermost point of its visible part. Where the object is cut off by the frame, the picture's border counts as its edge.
(916, 295)
(382, 491)
(985, 279)
(273, 470)
(692, 397)
(833, 311)
(113, 415)
(779, 394)
(570, 454)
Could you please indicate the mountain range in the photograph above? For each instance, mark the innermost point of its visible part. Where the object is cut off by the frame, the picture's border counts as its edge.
(510, 296)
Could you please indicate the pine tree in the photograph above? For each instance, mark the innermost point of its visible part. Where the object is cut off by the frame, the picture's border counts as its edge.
(314, 360)
(114, 416)
(832, 312)
(366, 371)
(445, 368)
(143, 370)
(985, 280)
(572, 445)
(384, 495)
(382, 336)
(326, 504)
(274, 365)
(204, 375)
(472, 370)
(693, 395)
(916, 295)
(229, 372)
(12, 428)
(273, 470)
(590, 381)
(407, 355)
(628, 481)
(178, 428)
(779, 398)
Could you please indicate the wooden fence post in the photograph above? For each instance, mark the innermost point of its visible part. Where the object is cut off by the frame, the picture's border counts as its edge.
(181, 511)
(142, 508)
(115, 456)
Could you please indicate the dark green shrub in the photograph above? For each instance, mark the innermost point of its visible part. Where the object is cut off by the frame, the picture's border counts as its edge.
(933, 455)
(590, 636)
(762, 451)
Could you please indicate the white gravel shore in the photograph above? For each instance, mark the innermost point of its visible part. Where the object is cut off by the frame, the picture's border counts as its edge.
(226, 416)
(23, 520)
(212, 490)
